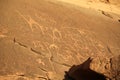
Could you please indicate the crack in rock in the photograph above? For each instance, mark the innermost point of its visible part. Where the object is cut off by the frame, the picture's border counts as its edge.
(110, 63)
(22, 75)
(35, 51)
(25, 46)
(109, 50)
(43, 78)
(22, 45)
(42, 69)
(106, 14)
(64, 64)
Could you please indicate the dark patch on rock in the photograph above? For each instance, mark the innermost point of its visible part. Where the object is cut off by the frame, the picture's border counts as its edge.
(106, 14)
(105, 1)
(83, 72)
(119, 20)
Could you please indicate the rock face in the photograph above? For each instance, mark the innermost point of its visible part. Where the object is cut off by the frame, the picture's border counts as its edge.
(115, 68)
(114, 1)
(108, 1)
(40, 40)
(104, 1)
(112, 6)
(83, 72)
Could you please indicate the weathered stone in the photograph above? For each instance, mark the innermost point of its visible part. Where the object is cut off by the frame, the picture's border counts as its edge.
(40, 40)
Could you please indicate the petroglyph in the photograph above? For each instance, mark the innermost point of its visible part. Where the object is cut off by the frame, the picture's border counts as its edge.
(81, 32)
(49, 41)
(31, 22)
(43, 47)
(2, 36)
(46, 18)
(3, 32)
(81, 41)
(53, 46)
(40, 45)
(37, 44)
(56, 35)
(67, 56)
(40, 61)
(49, 55)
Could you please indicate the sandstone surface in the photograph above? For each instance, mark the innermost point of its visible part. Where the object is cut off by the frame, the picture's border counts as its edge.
(41, 39)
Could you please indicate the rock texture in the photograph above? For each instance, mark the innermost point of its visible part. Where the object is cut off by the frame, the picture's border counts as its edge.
(40, 40)
(112, 6)
(114, 1)
(83, 72)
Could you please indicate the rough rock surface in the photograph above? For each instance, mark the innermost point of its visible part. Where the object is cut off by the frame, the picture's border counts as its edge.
(40, 40)
(112, 6)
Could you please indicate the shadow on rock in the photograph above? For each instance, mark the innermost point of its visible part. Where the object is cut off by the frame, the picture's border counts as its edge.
(83, 72)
